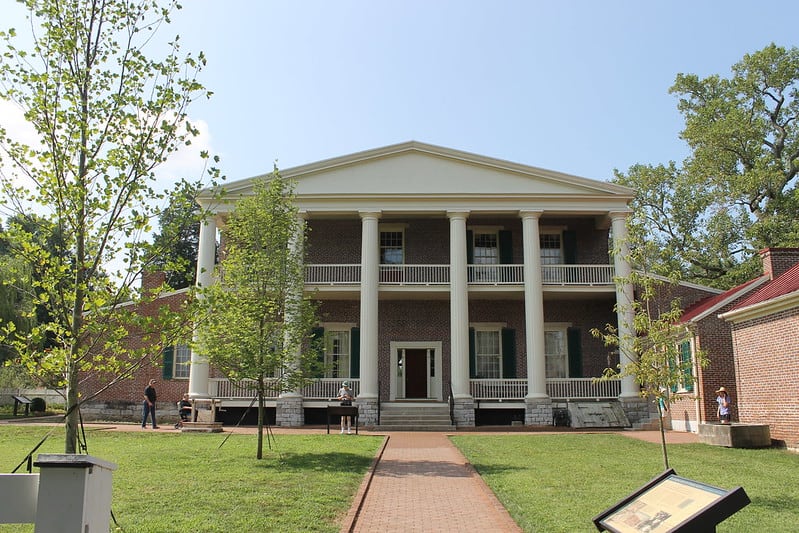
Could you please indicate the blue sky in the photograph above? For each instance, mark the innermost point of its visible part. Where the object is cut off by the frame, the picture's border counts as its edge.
(574, 86)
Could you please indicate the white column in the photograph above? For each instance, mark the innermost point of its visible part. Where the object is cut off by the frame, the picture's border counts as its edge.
(296, 247)
(533, 306)
(206, 255)
(459, 305)
(370, 276)
(624, 301)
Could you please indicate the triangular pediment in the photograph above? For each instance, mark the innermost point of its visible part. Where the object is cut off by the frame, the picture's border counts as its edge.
(418, 169)
(420, 178)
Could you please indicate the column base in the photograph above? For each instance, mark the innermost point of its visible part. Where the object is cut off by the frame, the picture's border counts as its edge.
(638, 410)
(538, 411)
(463, 411)
(289, 412)
(367, 411)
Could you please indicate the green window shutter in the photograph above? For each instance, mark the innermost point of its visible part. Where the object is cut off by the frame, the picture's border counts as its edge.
(673, 364)
(318, 345)
(688, 372)
(472, 354)
(569, 247)
(508, 353)
(469, 247)
(505, 247)
(168, 362)
(575, 347)
(355, 353)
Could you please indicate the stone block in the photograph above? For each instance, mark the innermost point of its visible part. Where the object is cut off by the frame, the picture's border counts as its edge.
(735, 435)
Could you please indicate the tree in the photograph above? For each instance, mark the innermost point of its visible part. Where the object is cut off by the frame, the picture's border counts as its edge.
(656, 361)
(737, 191)
(106, 116)
(179, 240)
(255, 321)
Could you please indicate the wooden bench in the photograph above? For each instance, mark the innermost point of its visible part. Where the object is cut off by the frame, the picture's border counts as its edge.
(24, 400)
(342, 410)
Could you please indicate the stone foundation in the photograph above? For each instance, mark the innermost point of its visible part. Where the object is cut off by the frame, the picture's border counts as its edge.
(463, 410)
(735, 435)
(537, 412)
(289, 412)
(638, 410)
(367, 411)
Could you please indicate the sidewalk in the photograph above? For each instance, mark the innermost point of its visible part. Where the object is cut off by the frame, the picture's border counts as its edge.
(423, 483)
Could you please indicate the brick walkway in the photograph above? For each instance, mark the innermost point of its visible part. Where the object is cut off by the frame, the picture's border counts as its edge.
(423, 483)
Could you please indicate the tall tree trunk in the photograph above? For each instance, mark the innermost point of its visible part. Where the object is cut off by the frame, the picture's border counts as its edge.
(260, 452)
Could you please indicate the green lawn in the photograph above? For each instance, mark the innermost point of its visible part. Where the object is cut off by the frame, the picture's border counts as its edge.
(558, 483)
(173, 482)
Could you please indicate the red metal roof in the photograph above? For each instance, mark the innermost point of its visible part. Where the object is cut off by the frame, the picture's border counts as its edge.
(786, 283)
(702, 306)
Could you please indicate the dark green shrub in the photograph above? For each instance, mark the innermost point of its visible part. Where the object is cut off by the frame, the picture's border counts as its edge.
(38, 405)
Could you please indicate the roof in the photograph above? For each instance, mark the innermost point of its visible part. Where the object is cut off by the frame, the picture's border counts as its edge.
(784, 284)
(436, 178)
(702, 308)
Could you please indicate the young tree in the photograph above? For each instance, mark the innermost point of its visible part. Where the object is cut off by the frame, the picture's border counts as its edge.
(656, 361)
(737, 190)
(106, 115)
(255, 322)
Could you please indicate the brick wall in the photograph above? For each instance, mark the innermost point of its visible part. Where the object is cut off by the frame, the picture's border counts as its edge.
(767, 354)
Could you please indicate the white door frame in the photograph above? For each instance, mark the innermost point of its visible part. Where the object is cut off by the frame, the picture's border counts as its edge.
(434, 390)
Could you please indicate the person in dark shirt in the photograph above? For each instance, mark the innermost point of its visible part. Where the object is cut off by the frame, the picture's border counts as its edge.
(148, 407)
(184, 410)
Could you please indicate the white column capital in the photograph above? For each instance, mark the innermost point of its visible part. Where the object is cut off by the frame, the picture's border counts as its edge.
(369, 213)
(457, 213)
(531, 213)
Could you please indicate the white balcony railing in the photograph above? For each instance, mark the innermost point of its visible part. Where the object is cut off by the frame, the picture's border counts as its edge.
(481, 389)
(319, 389)
(557, 388)
(350, 274)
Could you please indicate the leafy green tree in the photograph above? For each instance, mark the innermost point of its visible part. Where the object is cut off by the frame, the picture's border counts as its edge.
(106, 116)
(179, 239)
(737, 191)
(255, 321)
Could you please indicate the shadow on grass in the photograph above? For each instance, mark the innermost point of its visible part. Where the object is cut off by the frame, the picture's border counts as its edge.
(321, 462)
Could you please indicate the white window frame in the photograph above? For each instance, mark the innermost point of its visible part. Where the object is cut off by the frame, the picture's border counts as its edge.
(333, 361)
(562, 329)
(392, 228)
(181, 361)
(498, 357)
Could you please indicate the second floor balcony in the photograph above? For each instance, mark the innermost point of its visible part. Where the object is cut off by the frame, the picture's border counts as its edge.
(439, 275)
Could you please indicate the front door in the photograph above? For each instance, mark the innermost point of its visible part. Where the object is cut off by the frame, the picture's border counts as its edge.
(415, 373)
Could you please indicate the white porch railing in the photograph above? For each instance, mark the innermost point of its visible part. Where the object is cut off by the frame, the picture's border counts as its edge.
(320, 389)
(343, 275)
(495, 274)
(557, 388)
(577, 274)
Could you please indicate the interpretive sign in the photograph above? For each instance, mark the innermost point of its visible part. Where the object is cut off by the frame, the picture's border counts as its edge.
(670, 503)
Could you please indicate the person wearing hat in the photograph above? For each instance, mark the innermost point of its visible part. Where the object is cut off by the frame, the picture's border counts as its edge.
(345, 395)
(723, 399)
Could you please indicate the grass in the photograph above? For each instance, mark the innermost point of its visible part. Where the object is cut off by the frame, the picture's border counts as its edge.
(173, 482)
(558, 483)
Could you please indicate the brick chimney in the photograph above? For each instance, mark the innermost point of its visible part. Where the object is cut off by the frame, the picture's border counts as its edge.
(778, 260)
(152, 280)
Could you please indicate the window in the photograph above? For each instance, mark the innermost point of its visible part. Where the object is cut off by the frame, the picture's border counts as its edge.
(686, 364)
(556, 353)
(550, 249)
(182, 361)
(337, 354)
(488, 355)
(391, 248)
(486, 252)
